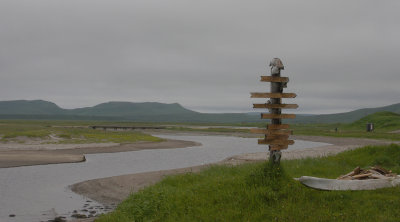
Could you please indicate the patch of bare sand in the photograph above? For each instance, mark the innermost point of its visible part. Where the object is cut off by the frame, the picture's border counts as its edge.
(112, 190)
(28, 158)
(11, 146)
(67, 153)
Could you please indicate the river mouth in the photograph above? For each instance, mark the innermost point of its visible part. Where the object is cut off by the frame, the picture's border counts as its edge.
(40, 193)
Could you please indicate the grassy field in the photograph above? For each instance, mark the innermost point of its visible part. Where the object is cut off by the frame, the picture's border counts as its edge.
(385, 123)
(257, 192)
(68, 131)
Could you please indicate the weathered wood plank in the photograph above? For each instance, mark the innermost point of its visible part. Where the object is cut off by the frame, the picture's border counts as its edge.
(361, 175)
(272, 132)
(277, 137)
(279, 132)
(276, 142)
(277, 116)
(274, 79)
(277, 147)
(277, 126)
(275, 106)
(272, 95)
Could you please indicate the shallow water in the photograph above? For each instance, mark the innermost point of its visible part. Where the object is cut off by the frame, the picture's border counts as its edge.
(39, 193)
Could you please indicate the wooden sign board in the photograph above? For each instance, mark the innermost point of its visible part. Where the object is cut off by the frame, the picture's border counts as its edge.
(272, 132)
(276, 133)
(275, 106)
(277, 116)
(275, 142)
(273, 95)
(278, 147)
(277, 126)
(274, 79)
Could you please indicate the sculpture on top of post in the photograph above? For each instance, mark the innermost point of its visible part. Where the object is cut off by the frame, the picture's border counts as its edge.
(276, 133)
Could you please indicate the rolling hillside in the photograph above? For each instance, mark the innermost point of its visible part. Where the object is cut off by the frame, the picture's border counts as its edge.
(160, 112)
(128, 109)
(116, 111)
(381, 120)
(346, 117)
(29, 107)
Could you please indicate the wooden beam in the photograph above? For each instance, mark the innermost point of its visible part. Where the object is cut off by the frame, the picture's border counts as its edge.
(275, 106)
(276, 142)
(272, 95)
(274, 79)
(277, 147)
(272, 132)
(277, 116)
(277, 137)
(277, 126)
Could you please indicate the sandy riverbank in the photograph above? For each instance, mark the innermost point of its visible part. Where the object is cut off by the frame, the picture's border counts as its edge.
(113, 190)
(14, 155)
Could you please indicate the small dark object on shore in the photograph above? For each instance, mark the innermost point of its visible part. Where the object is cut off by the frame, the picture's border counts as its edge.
(58, 219)
(11, 215)
(79, 216)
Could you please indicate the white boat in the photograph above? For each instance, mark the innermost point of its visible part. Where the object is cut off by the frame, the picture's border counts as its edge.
(333, 184)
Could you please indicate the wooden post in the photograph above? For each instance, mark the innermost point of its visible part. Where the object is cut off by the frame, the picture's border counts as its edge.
(276, 87)
(276, 134)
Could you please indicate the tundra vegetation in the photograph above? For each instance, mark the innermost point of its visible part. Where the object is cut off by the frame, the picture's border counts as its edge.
(387, 126)
(260, 192)
(66, 132)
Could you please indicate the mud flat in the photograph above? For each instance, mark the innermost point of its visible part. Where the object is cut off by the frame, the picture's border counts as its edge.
(14, 155)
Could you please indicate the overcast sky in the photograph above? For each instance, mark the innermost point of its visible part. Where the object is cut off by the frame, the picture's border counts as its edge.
(207, 55)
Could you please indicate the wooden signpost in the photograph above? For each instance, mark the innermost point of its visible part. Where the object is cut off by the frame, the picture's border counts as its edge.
(276, 133)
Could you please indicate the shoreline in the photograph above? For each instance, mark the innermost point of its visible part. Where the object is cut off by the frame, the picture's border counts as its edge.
(112, 190)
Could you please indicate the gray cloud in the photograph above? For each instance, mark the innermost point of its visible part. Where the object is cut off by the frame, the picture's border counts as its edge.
(206, 55)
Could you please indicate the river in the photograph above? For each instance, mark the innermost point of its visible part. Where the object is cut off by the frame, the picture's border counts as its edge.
(39, 193)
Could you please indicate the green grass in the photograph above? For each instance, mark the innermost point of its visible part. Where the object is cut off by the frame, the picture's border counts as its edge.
(384, 123)
(343, 131)
(209, 129)
(259, 192)
(13, 129)
(101, 136)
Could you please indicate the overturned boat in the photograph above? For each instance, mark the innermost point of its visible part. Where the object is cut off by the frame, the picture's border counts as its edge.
(359, 179)
(336, 184)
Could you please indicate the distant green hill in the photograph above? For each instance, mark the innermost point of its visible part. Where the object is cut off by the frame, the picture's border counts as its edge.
(347, 117)
(117, 111)
(29, 107)
(381, 120)
(128, 109)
